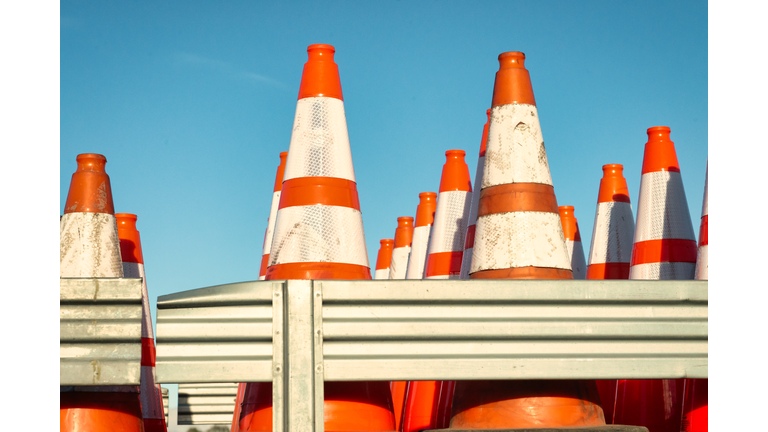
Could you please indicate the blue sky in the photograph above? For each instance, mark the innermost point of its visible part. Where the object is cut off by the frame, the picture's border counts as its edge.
(191, 102)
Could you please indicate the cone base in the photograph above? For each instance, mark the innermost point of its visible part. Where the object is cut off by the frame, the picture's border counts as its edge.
(523, 273)
(606, 428)
(100, 412)
(318, 270)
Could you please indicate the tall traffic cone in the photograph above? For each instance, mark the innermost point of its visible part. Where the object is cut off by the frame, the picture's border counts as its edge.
(664, 249)
(384, 258)
(469, 241)
(519, 236)
(446, 244)
(403, 239)
(90, 247)
(695, 391)
(614, 229)
(272, 216)
(319, 235)
(573, 242)
(398, 389)
(425, 217)
(150, 394)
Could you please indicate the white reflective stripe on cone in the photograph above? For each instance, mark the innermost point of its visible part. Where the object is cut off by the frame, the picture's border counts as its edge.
(662, 210)
(466, 262)
(418, 257)
(515, 147)
(262, 277)
(466, 259)
(612, 234)
(578, 263)
(89, 246)
(663, 271)
(271, 223)
(399, 262)
(519, 239)
(319, 141)
(705, 205)
(702, 263)
(319, 233)
(136, 270)
(450, 225)
(381, 274)
(150, 396)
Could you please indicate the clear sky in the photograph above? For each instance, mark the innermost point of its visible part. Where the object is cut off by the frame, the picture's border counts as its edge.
(191, 102)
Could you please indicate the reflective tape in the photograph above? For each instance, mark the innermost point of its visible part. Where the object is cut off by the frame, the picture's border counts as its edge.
(519, 239)
(418, 257)
(382, 274)
(399, 263)
(662, 210)
(663, 271)
(89, 246)
(319, 141)
(578, 263)
(151, 396)
(515, 152)
(450, 227)
(271, 224)
(319, 233)
(702, 263)
(613, 233)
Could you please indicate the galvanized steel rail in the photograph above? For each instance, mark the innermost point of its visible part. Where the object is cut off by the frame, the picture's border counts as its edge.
(315, 331)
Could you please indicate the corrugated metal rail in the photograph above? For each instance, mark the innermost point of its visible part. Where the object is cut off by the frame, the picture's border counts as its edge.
(206, 403)
(166, 403)
(100, 331)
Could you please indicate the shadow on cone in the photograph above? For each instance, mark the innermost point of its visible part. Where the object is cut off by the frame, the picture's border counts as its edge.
(573, 241)
(695, 406)
(425, 217)
(272, 215)
(100, 412)
(655, 404)
(402, 249)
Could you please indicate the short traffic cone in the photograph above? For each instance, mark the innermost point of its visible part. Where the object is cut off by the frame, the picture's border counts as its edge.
(519, 236)
(614, 229)
(469, 241)
(150, 394)
(664, 249)
(425, 217)
(90, 247)
(384, 258)
(272, 215)
(319, 235)
(573, 241)
(446, 245)
(695, 391)
(403, 239)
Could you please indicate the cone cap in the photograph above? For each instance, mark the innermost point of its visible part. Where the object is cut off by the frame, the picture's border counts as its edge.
(660, 152)
(130, 242)
(613, 185)
(404, 231)
(455, 175)
(425, 211)
(484, 140)
(385, 254)
(320, 77)
(90, 190)
(513, 82)
(280, 172)
(570, 225)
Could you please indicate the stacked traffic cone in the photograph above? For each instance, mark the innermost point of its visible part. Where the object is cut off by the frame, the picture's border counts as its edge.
(427, 405)
(384, 258)
(573, 241)
(446, 244)
(695, 391)
(425, 216)
(90, 248)
(398, 389)
(664, 249)
(150, 394)
(469, 241)
(319, 235)
(238, 403)
(403, 239)
(519, 236)
(614, 229)
(272, 215)
(610, 250)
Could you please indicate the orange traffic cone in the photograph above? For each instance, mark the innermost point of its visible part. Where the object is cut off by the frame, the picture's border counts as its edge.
(446, 245)
(425, 216)
(235, 427)
(519, 236)
(573, 242)
(403, 239)
(427, 405)
(90, 247)
(398, 389)
(664, 249)
(469, 241)
(384, 258)
(695, 391)
(272, 215)
(614, 228)
(150, 394)
(319, 235)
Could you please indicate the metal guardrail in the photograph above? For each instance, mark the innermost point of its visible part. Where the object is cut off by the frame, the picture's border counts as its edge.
(166, 403)
(206, 403)
(100, 331)
(428, 330)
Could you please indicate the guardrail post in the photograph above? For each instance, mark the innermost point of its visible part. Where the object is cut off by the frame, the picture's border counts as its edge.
(300, 356)
(319, 372)
(279, 342)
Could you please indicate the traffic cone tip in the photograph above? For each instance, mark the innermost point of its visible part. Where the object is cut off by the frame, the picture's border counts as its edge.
(90, 190)
(659, 154)
(455, 175)
(513, 82)
(320, 77)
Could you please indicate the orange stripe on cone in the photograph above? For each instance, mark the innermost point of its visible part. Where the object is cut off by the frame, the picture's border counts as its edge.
(268, 233)
(399, 393)
(100, 412)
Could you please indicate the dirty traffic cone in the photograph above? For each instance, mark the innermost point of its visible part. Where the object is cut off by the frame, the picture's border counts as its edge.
(150, 394)
(446, 245)
(319, 235)
(573, 242)
(519, 236)
(272, 215)
(610, 250)
(425, 216)
(90, 248)
(384, 258)
(403, 239)
(469, 241)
